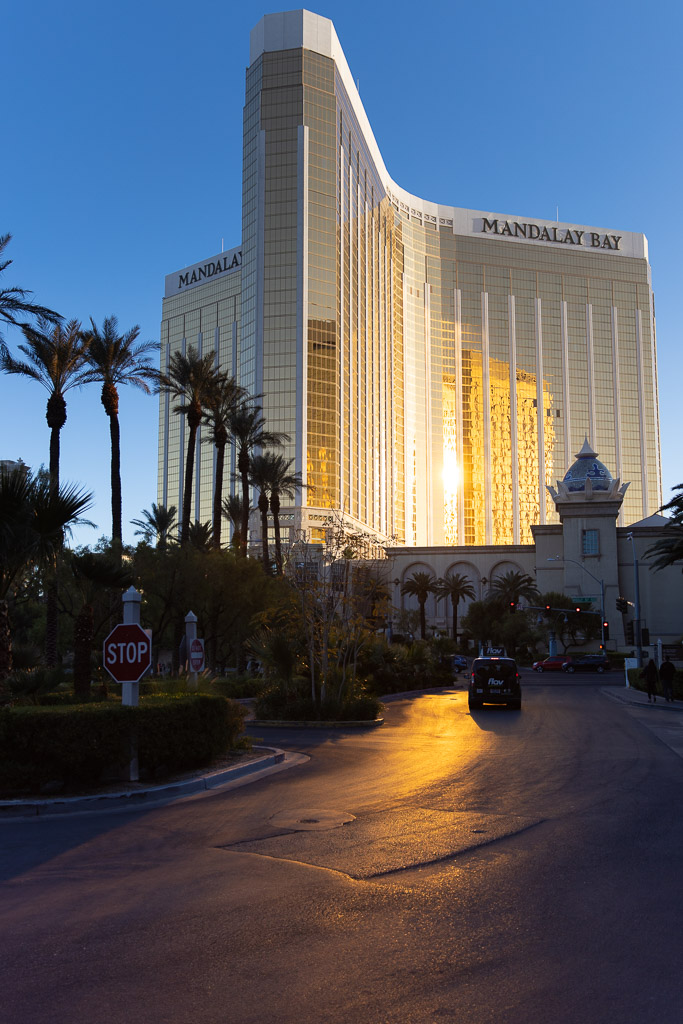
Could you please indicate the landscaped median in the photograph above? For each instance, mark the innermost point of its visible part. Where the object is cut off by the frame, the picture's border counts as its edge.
(48, 749)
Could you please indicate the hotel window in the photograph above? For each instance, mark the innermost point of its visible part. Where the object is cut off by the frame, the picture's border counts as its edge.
(591, 542)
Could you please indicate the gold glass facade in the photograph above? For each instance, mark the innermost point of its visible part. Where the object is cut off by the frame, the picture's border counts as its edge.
(434, 367)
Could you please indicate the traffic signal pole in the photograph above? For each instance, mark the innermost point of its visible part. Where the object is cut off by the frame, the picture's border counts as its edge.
(636, 590)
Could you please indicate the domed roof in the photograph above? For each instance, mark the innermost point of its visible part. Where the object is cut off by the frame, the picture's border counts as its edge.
(587, 467)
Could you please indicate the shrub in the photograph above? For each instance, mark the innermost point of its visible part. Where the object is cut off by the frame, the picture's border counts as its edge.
(240, 686)
(86, 743)
(276, 706)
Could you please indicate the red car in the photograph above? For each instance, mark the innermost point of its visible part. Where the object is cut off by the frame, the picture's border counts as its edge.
(552, 664)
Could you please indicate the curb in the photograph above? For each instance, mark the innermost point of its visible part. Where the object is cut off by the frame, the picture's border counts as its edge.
(271, 724)
(660, 705)
(125, 799)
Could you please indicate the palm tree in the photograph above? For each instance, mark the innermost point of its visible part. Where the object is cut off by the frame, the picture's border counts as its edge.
(284, 483)
(56, 359)
(156, 524)
(199, 536)
(194, 381)
(457, 587)
(115, 359)
(247, 427)
(223, 403)
(669, 549)
(513, 585)
(232, 511)
(261, 477)
(14, 303)
(420, 585)
(33, 517)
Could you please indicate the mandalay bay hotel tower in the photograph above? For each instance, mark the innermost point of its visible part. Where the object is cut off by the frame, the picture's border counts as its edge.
(434, 367)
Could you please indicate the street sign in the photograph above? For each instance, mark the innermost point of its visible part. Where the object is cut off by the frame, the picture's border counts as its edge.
(196, 655)
(127, 653)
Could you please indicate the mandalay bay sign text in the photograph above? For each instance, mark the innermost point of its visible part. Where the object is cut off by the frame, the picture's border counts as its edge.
(550, 233)
(201, 273)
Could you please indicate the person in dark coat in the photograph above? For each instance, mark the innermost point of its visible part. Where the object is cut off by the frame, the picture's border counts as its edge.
(649, 674)
(666, 674)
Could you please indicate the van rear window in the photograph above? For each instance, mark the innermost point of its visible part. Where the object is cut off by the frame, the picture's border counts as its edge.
(484, 670)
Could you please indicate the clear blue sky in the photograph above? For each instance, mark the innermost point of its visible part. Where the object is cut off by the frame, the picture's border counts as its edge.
(122, 155)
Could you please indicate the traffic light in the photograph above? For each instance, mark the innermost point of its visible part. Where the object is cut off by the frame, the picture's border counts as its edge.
(644, 636)
(605, 630)
(622, 605)
(577, 608)
(629, 632)
(513, 605)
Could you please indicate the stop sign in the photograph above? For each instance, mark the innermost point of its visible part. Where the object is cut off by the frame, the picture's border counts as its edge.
(197, 655)
(127, 653)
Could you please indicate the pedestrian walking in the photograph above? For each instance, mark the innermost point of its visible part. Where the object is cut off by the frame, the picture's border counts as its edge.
(667, 672)
(649, 674)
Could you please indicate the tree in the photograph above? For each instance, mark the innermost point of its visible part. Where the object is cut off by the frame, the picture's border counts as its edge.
(248, 428)
(261, 477)
(56, 360)
(457, 587)
(33, 517)
(199, 536)
(420, 585)
(232, 511)
(115, 359)
(94, 572)
(669, 549)
(572, 628)
(283, 483)
(156, 524)
(222, 404)
(194, 381)
(14, 302)
(513, 585)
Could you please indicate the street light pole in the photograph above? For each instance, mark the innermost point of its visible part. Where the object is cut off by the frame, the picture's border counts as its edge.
(561, 558)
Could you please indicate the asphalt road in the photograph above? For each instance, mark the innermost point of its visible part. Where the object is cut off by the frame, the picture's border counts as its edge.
(502, 866)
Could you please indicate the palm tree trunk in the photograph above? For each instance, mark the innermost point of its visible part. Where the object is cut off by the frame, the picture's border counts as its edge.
(51, 624)
(218, 495)
(84, 630)
(56, 417)
(54, 458)
(187, 491)
(455, 619)
(423, 622)
(5, 641)
(275, 509)
(263, 509)
(115, 435)
(243, 468)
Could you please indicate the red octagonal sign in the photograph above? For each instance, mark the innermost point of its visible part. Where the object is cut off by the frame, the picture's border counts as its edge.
(127, 653)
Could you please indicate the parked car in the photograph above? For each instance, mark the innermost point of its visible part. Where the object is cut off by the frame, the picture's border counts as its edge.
(459, 663)
(495, 681)
(587, 663)
(554, 663)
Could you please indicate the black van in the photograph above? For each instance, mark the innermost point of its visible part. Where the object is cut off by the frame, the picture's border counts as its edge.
(495, 681)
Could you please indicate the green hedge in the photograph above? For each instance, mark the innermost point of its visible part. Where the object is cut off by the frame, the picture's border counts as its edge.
(90, 742)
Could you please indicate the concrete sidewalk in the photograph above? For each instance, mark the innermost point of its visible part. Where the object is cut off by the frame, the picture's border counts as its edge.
(637, 698)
